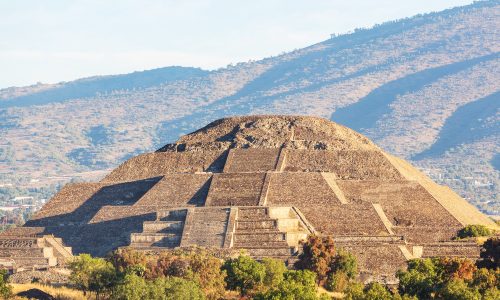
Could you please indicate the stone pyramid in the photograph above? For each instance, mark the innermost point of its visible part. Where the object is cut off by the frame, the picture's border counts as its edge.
(263, 183)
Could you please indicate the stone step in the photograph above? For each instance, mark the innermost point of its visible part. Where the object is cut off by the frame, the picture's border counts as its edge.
(35, 261)
(270, 244)
(171, 215)
(252, 213)
(26, 252)
(21, 242)
(162, 226)
(153, 237)
(255, 224)
(163, 243)
(259, 236)
(269, 251)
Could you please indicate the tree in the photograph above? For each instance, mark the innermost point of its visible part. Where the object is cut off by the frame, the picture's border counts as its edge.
(485, 279)
(275, 271)
(300, 285)
(457, 268)
(5, 288)
(244, 274)
(420, 278)
(92, 274)
(490, 253)
(133, 287)
(473, 231)
(207, 271)
(318, 254)
(457, 289)
(337, 281)
(346, 263)
(376, 291)
(123, 259)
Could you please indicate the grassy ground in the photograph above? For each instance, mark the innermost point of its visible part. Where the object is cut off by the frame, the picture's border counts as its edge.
(61, 293)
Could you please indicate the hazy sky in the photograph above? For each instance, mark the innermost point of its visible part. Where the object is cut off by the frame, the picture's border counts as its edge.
(61, 40)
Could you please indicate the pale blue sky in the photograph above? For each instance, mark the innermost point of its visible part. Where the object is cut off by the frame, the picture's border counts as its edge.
(60, 40)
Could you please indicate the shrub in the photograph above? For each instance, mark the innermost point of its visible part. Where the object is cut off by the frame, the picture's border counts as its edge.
(318, 254)
(244, 274)
(473, 231)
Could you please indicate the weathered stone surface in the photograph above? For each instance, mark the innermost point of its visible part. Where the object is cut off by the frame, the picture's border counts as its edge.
(259, 184)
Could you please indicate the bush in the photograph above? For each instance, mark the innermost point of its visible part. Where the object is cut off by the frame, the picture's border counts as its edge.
(318, 254)
(473, 231)
(244, 274)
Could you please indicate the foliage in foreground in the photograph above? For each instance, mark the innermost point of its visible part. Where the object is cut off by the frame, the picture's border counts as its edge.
(198, 274)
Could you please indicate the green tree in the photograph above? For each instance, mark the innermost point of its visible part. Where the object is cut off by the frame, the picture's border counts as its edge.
(376, 291)
(490, 253)
(457, 289)
(420, 278)
(474, 231)
(296, 285)
(175, 288)
(485, 279)
(345, 262)
(337, 281)
(244, 274)
(133, 287)
(92, 274)
(5, 288)
(275, 272)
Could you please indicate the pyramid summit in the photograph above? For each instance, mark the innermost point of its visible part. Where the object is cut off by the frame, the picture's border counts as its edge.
(258, 183)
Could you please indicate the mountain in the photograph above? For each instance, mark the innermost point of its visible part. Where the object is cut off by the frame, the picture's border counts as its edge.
(424, 88)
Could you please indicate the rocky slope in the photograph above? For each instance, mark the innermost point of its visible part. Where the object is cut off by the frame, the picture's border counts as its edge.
(424, 88)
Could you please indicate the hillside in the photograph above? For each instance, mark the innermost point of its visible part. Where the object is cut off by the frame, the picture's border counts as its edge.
(423, 88)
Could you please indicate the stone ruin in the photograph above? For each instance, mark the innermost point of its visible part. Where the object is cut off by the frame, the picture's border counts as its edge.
(258, 183)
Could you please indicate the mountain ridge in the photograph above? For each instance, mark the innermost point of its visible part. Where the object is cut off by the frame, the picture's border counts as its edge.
(431, 65)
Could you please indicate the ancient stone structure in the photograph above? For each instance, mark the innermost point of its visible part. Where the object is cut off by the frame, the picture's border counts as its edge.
(263, 183)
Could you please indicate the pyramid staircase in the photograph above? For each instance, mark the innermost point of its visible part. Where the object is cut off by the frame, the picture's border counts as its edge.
(165, 231)
(32, 252)
(269, 232)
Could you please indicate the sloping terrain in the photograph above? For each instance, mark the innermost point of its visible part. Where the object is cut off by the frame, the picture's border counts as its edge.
(410, 86)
